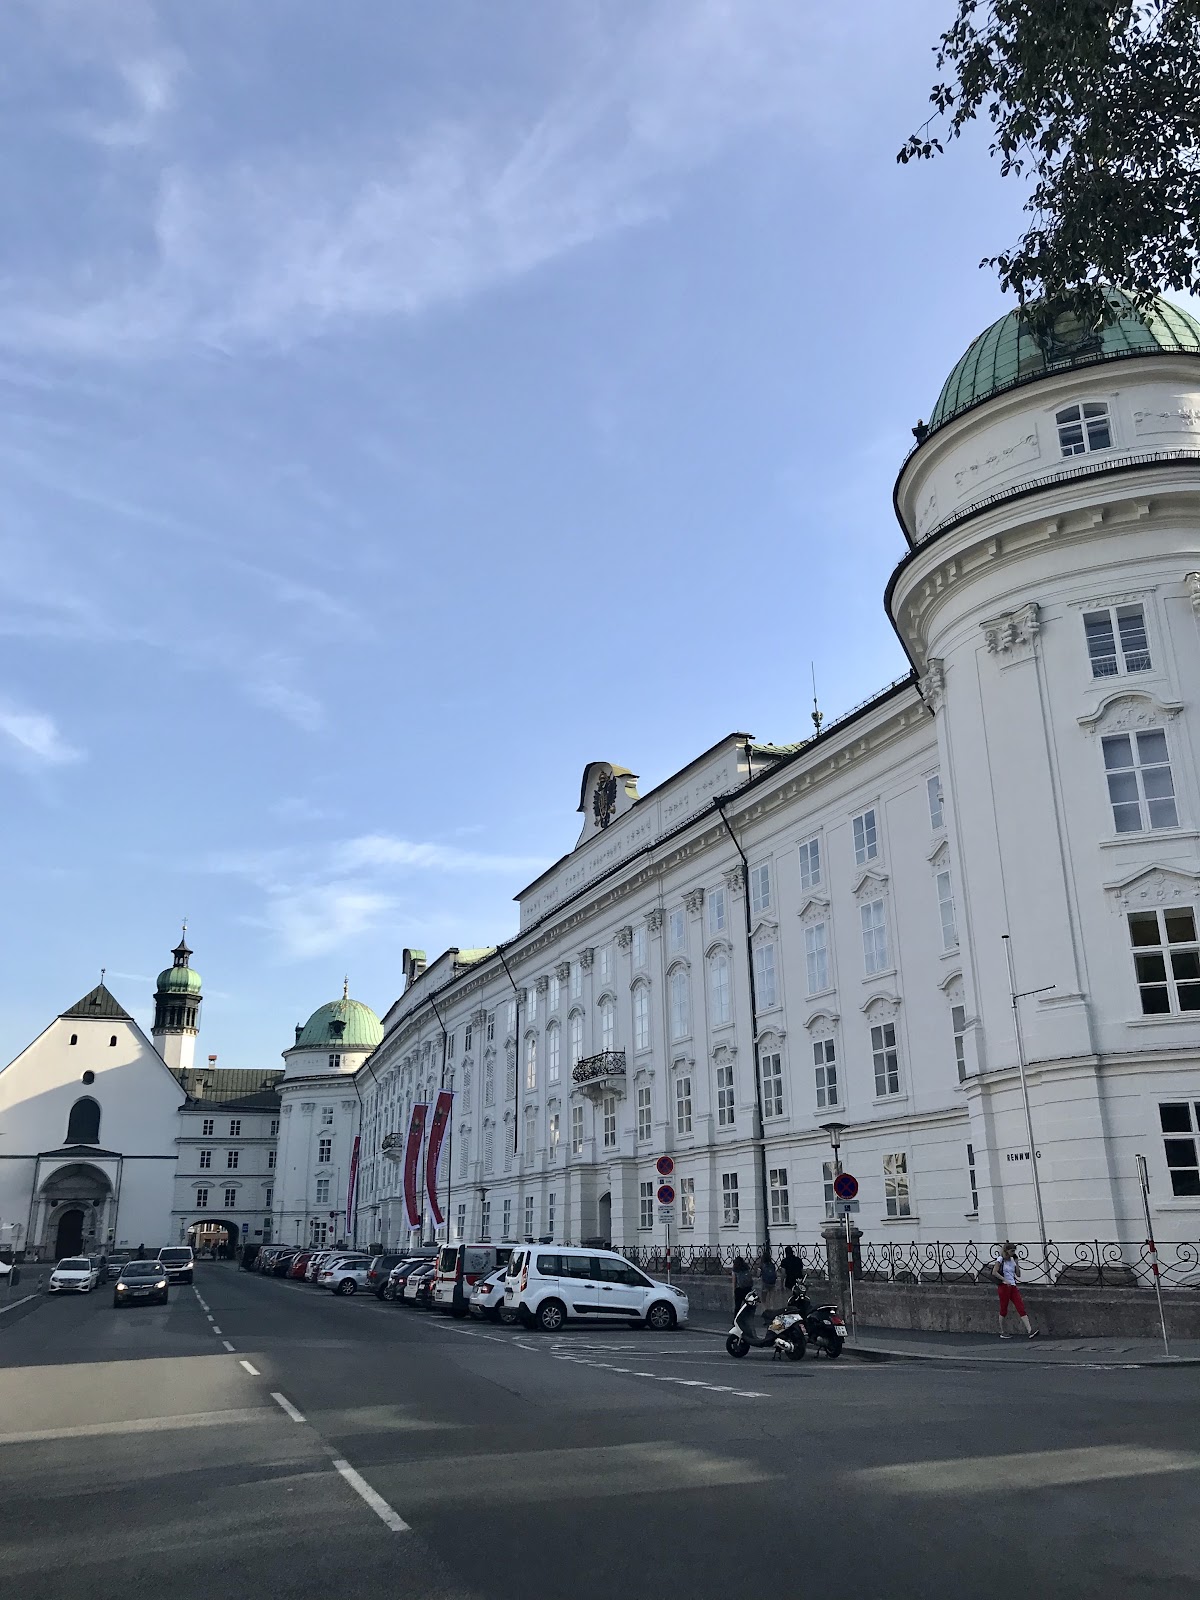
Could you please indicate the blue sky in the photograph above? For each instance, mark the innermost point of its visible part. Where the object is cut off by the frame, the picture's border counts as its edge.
(405, 405)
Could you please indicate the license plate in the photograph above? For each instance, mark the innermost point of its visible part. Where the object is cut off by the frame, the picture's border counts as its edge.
(841, 1332)
(141, 1291)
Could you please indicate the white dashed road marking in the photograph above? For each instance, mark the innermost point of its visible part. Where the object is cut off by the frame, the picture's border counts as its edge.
(227, 1345)
(253, 1371)
(282, 1401)
(216, 1329)
(377, 1503)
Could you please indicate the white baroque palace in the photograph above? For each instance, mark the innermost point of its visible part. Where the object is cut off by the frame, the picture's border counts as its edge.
(781, 937)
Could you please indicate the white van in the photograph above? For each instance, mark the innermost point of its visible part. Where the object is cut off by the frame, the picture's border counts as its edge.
(546, 1284)
(460, 1267)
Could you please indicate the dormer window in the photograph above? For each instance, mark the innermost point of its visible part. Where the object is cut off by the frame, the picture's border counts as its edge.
(1083, 428)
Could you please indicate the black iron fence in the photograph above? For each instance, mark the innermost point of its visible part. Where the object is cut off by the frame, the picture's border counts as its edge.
(1085, 1263)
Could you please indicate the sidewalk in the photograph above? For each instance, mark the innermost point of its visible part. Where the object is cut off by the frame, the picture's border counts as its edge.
(897, 1344)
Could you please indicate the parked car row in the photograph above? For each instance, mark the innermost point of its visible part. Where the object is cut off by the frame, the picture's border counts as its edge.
(542, 1286)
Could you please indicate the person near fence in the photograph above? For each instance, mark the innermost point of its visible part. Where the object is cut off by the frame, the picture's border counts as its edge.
(793, 1268)
(1007, 1273)
(743, 1281)
(768, 1277)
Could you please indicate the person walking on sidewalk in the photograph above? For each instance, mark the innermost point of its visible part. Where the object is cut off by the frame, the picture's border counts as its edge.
(1007, 1272)
(743, 1282)
(793, 1268)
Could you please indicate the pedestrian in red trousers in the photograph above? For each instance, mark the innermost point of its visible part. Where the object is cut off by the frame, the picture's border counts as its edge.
(1007, 1272)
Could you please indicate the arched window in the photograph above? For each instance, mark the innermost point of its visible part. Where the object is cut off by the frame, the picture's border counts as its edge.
(553, 1052)
(720, 997)
(608, 1025)
(679, 1003)
(531, 1062)
(576, 1037)
(641, 1017)
(83, 1125)
(112, 1041)
(74, 1038)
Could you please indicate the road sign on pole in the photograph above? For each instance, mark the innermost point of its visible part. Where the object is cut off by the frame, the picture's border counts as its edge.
(845, 1186)
(666, 1195)
(664, 1166)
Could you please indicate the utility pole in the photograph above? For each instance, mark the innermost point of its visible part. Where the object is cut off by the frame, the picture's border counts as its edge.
(1033, 1166)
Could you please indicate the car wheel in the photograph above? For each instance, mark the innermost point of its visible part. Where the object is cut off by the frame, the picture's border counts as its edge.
(347, 1286)
(381, 1294)
(507, 1316)
(660, 1317)
(550, 1316)
(389, 1293)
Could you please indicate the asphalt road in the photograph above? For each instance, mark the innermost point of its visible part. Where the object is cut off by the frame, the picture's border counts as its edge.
(260, 1438)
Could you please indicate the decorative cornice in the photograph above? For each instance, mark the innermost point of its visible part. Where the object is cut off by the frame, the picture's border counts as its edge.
(735, 880)
(624, 937)
(542, 984)
(1156, 885)
(654, 919)
(587, 957)
(563, 972)
(1012, 634)
(1130, 708)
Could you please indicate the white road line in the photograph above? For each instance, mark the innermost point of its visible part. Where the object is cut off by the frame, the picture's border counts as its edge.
(209, 1315)
(285, 1404)
(215, 1328)
(253, 1371)
(96, 1430)
(227, 1345)
(376, 1501)
(24, 1300)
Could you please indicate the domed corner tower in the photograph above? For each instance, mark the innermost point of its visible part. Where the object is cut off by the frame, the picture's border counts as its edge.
(1050, 603)
(335, 1040)
(177, 1000)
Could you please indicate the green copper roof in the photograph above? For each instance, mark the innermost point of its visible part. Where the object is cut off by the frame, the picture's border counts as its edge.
(1007, 354)
(178, 980)
(342, 1024)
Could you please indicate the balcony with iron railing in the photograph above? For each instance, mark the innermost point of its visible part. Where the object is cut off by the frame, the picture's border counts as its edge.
(393, 1145)
(600, 1074)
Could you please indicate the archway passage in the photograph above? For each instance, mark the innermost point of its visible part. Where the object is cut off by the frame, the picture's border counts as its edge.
(605, 1218)
(215, 1234)
(68, 1241)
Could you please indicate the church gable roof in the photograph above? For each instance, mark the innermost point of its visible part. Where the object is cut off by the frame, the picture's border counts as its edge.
(99, 1003)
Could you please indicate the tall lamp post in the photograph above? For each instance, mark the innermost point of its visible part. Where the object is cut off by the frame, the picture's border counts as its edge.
(1033, 1166)
(835, 1131)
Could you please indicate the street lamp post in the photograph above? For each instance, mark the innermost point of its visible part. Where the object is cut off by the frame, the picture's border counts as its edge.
(835, 1131)
(1033, 1166)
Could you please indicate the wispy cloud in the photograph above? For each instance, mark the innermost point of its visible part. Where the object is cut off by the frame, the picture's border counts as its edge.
(382, 851)
(278, 248)
(270, 683)
(314, 922)
(31, 739)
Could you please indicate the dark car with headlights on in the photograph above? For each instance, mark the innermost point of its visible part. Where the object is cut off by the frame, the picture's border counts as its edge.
(141, 1280)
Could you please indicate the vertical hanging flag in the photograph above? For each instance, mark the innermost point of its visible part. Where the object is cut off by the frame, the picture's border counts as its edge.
(437, 1132)
(352, 1186)
(412, 1160)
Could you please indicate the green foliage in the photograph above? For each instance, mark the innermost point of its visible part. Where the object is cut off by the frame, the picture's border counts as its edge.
(1097, 102)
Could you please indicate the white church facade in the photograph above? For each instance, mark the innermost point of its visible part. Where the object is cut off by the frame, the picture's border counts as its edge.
(777, 939)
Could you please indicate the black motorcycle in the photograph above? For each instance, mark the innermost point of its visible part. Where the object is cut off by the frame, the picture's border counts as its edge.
(823, 1325)
(784, 1335)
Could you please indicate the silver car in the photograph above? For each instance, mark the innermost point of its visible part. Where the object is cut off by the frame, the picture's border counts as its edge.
(75, 1275)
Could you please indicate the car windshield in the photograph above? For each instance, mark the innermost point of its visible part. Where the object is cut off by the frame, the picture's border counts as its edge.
(74, 1264)
(142, 1269)
(174, 1257)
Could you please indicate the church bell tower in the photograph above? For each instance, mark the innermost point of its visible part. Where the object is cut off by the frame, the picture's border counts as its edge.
(177, 1001)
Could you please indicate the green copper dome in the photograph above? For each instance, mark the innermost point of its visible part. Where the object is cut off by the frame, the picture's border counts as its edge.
(1007, 354)
(343, 1024)
(178, 980)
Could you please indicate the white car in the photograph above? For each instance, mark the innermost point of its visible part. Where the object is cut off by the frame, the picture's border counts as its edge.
(75, 1275)
(547, 1285)
(330, 1273)
(487, 1298)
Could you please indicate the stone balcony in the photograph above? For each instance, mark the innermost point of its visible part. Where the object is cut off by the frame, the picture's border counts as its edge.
(600, 1074)
(393, 1146)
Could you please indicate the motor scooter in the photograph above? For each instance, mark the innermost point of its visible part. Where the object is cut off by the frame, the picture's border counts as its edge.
(784, 1335)
(822, 1324)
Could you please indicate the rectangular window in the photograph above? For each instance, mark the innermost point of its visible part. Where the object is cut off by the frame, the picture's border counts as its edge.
(575, 1027)
(554, 1135)
(645, 1123)
(766, 988)
(531, 1003)
(553, 994)
(531, 1063)
(235, 1128)
(676, 932)
(958, 1021)
(895, 1186)
(1180, 1123)
(1116, 641)
(322, 1191)
(460, 1221)
(231, 1159)
(641, 1017)
(335, 1063)
(576, 1130)
(270, 1160)
(551, 1213)
(609, 1107)
(1140, 786)
(683, 1103)
(639, 948)
(206, 1128)
(1166, 959)
(726, 1114)
(450, 1045)
(489, 1149)
(608, 1025)
(933, 791)
(719, 996)
(866, 837)
(816, 956)
(528, 1216)
(324, 1150)
(810, 864)
(468, 1036)
(971, 1183)
(945, 894)
(606, 963)
(825, 1069)
(269, 1199)
(327, 1116)
(485, 1219)
(490, 1027)
(886, 1059)
(274, 1126)
(687, 1202)
(646, 1205)
(716, 911)
(506, 1220)
(553, 1053)
(770, 1067)
(731, 1211)
(874, 937)
(760, 888)
(230, 1199)
(827, 1180)
(576, 980)
(1082, 429)
(777, 1189)
(679, 1004)
(206, 1158)
(201, 1199)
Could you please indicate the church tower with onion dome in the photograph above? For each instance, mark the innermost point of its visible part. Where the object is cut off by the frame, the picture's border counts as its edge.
(177, 1000)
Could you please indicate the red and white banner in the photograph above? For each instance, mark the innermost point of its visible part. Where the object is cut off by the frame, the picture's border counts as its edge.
(352, 1185)
(437, 1133)
(412, 1160)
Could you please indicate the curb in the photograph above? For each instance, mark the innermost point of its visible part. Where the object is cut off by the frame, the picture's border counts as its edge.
(879, 1353)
